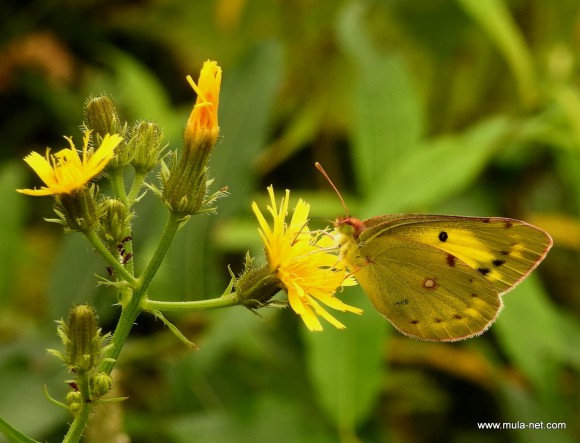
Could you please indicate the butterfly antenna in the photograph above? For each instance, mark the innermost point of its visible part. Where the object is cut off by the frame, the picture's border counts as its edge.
(323, 172)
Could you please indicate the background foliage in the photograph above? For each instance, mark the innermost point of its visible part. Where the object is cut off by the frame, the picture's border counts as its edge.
(461, 107)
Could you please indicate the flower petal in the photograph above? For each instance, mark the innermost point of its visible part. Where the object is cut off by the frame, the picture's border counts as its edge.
(65, 171)
(303, 261)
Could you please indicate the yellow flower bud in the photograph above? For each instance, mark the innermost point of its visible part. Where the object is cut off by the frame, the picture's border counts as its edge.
(184, 190)
(203, 121)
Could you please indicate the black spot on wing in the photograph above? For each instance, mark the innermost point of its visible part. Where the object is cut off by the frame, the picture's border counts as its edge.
(498, 262)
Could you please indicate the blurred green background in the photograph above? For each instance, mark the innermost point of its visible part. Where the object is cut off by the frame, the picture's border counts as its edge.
(468, 107)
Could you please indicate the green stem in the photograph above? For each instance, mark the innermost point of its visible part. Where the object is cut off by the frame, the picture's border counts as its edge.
(113, 261)
(129, 202)
(128, 316)
(78, 425)
(169, 232)
(133, 308)
(136, 187)
(128, 246)
(118, 185)
(129, 313)
(197, 305)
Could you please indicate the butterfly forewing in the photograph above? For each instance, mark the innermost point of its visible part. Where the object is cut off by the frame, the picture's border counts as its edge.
(502, 250)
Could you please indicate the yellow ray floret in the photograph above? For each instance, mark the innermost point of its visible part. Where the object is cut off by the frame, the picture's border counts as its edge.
(204, 116)
(66, 171)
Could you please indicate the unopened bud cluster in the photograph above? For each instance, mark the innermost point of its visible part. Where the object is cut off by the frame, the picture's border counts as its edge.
(142, 147)
(84, 345)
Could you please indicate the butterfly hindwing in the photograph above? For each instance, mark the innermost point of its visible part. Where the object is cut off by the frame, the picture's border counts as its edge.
(412, 285)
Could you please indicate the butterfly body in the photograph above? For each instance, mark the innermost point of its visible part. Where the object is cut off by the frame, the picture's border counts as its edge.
(439, 277)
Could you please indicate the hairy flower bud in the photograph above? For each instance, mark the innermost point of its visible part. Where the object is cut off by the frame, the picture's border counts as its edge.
(185, 186)
(257, 286)
(114, 222)
(101, 118)
(146, 145)
(101, 384)
(78, 211)
(84, 335)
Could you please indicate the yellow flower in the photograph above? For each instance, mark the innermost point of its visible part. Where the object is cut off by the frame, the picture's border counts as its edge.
(185, 186)
(308, 272)
(65, 171)
(203, 120)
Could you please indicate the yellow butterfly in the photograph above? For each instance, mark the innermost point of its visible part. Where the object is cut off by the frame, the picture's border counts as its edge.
(439, 277)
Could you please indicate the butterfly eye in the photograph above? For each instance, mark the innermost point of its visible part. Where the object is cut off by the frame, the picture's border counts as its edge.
(443, 236)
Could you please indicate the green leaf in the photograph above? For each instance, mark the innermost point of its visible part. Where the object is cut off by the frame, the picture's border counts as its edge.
(388, 120)
(13, 435)
(72, 280)
(437, 170)
(301, 130)
(139, 92)
(248, 96)
(13, 204)
(346, 366)
(530, 332)
(495, 19)
(522, 406)
(24, 369)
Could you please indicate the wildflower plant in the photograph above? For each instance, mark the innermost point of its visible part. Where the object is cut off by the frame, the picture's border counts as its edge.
(298, 261)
